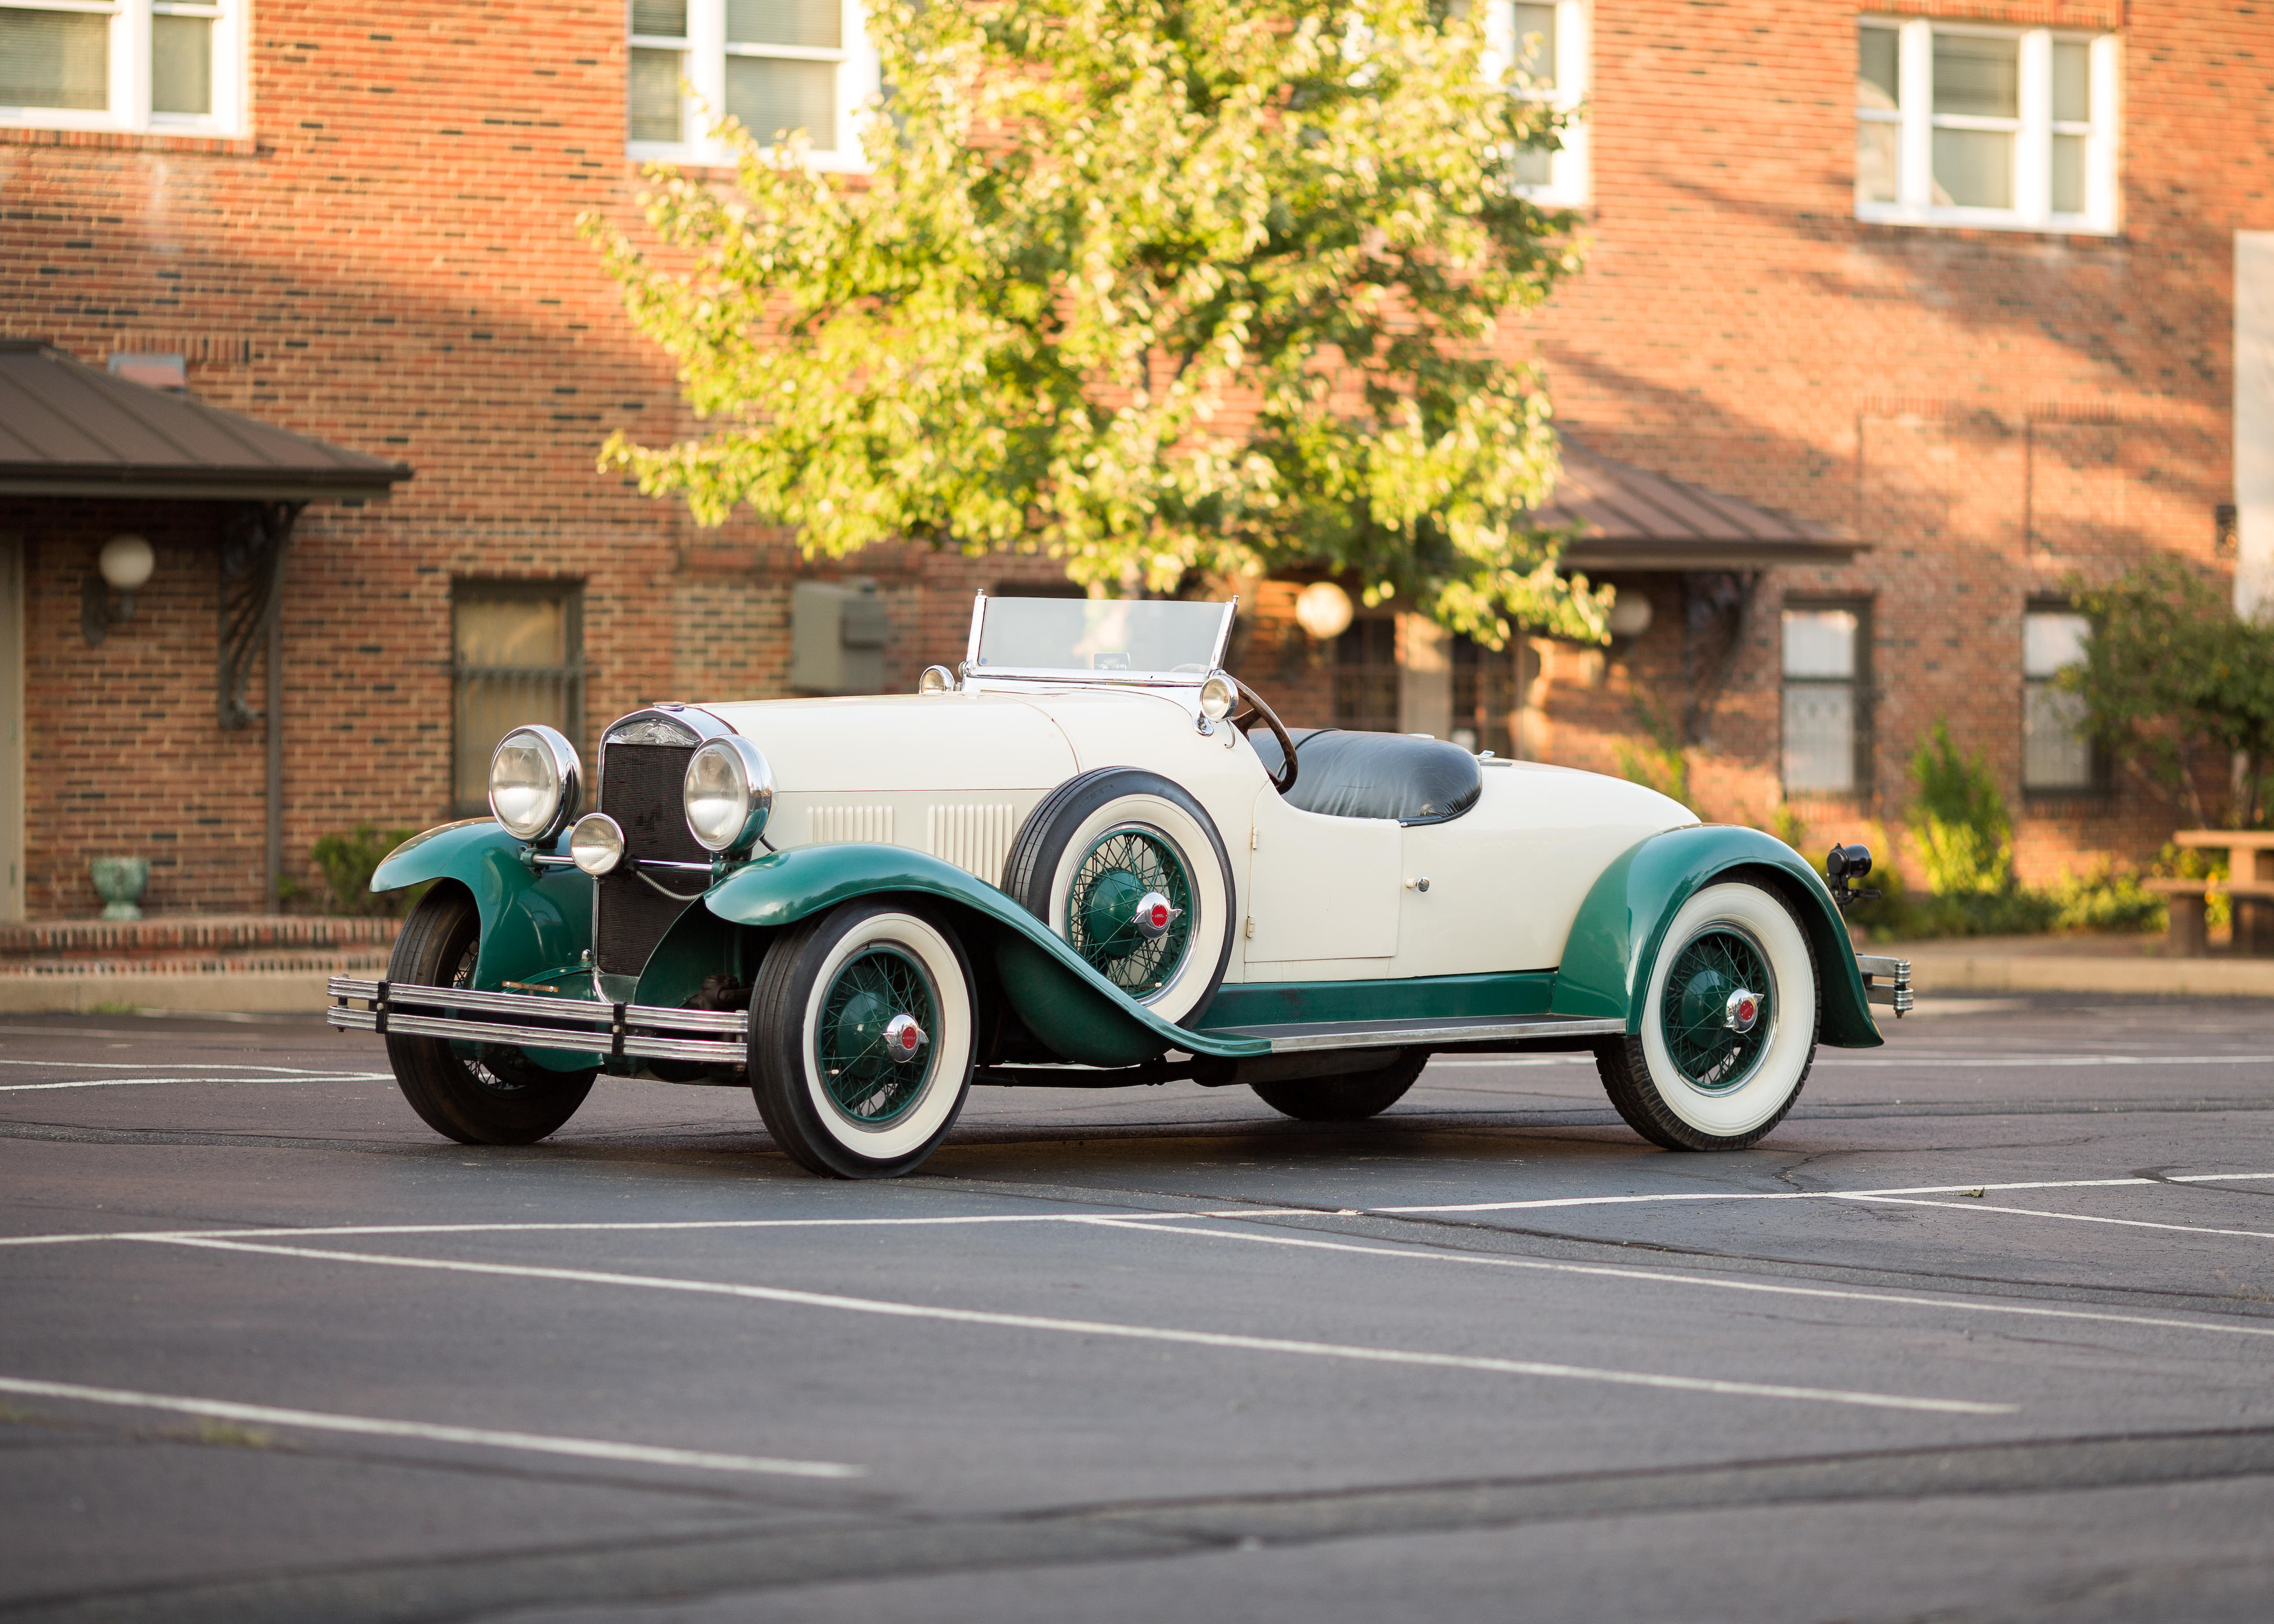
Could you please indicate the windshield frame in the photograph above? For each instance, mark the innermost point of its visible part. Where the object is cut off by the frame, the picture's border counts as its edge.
(971, 670)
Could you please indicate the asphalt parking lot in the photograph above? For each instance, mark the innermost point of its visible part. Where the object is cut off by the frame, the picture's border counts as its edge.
(1985, 1331)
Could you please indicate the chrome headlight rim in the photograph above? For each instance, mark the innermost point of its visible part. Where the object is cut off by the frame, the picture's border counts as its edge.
(596, 845)
(751, 778)
(1219, 696)
(559, 757)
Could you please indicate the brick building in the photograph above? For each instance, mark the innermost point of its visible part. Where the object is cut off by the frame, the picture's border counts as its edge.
(1894, 315)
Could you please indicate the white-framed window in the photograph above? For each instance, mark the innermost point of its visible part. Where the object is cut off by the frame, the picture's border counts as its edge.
(1963, 124)
(123, 65)
(1547, 44)
(2057, 752)
(1827, 699)
(778, 65)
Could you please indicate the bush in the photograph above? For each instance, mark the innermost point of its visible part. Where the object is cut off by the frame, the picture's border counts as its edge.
(2106, 897)
(347, 862)
(2178, 863)
(1965, 838)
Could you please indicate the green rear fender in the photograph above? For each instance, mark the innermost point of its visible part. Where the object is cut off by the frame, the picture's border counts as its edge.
(1615, 942)
(533, 921)
(1068, 1005)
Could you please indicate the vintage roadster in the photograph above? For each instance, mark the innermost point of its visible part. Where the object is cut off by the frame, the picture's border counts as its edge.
(1088, 858)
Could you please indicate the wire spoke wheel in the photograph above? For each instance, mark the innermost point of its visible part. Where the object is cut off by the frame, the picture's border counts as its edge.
(864, 1078)
(1127, 865)
(1710, 1052)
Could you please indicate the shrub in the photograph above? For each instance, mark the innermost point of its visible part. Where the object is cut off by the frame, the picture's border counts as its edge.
(2106, 897)
(1657, 762)
(1965, 838)
(347, 861)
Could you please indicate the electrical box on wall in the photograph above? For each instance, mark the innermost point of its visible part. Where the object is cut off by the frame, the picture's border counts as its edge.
(837, 637)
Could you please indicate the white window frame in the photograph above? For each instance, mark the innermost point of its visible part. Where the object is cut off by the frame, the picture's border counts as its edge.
(704, 51)
(1566, 186)
(130, 71)
(2033, 130)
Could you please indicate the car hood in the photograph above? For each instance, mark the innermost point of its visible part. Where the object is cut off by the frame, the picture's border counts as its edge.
(884, 742)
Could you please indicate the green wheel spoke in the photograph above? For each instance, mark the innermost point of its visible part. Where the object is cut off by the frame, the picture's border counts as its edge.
(861, 1076)
(1709, 1055)
(1121, 868)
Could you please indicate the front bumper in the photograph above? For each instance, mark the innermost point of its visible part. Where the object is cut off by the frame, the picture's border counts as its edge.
(534, 1020)
(1886, 981)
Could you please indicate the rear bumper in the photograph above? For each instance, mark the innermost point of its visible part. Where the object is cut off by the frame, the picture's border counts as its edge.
(1886, 981)
(533, 1020)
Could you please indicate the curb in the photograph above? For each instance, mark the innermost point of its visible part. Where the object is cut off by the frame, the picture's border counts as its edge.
(276, 992)
(2197, 978)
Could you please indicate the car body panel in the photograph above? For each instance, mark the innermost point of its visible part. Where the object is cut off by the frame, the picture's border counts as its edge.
(1615, 938)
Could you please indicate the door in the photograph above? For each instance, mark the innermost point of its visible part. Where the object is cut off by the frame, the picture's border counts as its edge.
(12, 727)
(1323, 894)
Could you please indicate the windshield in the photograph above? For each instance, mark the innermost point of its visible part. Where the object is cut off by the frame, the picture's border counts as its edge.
(1100, 634)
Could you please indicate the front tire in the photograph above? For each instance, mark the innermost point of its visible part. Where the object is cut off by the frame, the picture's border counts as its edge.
(1354, 1097)
(475, 1094)
(1691, 1080)
(827, 1040)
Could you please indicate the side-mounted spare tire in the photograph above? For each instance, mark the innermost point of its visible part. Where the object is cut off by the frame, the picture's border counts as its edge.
(1129, 870)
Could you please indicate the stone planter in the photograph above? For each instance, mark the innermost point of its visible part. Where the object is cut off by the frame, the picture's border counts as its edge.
(120, 882)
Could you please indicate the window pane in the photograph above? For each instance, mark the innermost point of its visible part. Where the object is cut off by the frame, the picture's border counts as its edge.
(1820, 642)
(2055, 753)
(1366, 676)
(1977, 76)
(1819, 739)
(1878, 69)
(817, 23)
(666, 18)
(1535, 44)
(513, 631)
(2068, 175)
(654, 96)
(2072, 82)
(2053, 642)
(181, 65)
(55, 60)
(1973, 169)
(1876, 148)
(1535, 166)
(515, 666)
(771, 96)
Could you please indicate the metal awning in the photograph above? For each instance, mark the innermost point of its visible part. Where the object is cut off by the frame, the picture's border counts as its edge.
(69, 429)
(1629, 518)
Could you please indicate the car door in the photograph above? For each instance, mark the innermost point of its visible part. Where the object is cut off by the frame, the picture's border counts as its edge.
(1323, 894)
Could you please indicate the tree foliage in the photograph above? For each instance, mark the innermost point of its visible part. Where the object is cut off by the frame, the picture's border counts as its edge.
(2173, 679)
(1153, 286)
(1965, 838)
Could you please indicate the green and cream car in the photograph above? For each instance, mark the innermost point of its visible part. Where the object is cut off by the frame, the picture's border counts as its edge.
(1088, 858)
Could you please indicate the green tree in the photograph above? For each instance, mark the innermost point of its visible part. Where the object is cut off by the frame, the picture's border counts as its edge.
(1153, 286)
(2174, 681)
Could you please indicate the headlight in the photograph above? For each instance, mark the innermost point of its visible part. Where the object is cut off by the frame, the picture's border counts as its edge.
(596, 844)
(534, 779)
(729, 790)
(935, 680)
(1219, 695)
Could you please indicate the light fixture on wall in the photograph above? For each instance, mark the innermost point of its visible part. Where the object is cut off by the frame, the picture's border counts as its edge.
(1630, 615)
(122, 569)
(1323, 609)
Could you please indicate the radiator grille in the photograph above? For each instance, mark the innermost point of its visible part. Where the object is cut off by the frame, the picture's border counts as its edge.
(976, 839)
(829, 825)
(640, 787)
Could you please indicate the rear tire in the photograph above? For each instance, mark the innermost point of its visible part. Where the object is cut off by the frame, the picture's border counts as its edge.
(1352, 1097)
(1689, 1082)
(476, 1094)
(834, 1097)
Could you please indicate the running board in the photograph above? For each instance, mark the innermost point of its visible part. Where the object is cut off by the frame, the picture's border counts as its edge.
(576, 1026)
(1460, 1031)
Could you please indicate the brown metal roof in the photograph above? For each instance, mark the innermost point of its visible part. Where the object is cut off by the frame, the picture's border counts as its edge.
(68, 430)
(1629, 518)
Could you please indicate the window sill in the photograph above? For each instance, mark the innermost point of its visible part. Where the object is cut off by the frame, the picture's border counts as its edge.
(1977, 220)
(133, 140)
(720, 161)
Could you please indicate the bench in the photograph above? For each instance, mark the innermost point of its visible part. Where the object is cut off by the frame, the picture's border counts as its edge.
(2188, 934)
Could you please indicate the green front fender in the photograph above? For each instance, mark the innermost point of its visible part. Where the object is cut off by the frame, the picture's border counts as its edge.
(1068, 1005)
(1615, 942)
(534, 921)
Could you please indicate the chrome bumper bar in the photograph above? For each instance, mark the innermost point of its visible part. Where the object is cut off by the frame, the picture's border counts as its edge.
(620, 1031)
(1886, 981)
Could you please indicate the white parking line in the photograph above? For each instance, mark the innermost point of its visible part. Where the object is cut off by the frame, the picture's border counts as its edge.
(1663, 1277)
(1899, 1062)
(191, 1066)
(1816, 1195)
(145, 1082)
(2030, 1212)
(1136, 1332)
(584, 1448)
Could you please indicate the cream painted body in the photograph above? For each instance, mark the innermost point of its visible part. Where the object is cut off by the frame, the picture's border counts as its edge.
(1322, 898)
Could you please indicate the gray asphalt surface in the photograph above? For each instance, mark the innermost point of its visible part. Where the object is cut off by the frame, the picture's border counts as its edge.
(1147, 1355)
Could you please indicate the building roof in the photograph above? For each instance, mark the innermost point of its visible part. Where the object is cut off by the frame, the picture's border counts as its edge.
(68, 430)
(1629, 518)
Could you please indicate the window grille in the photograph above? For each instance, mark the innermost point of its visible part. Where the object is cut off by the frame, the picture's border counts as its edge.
(516, 657)
(1366, 675)
(2056, 751)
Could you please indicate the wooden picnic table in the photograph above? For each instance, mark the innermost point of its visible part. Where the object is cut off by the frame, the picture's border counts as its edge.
(2249, 885)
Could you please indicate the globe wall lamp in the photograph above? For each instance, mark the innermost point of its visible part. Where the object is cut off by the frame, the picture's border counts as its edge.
(1629, 615)
(107, 599)
(1324, 611)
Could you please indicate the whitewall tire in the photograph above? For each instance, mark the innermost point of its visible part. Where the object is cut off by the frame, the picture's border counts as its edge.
(861, 1039)
(1729, 1020)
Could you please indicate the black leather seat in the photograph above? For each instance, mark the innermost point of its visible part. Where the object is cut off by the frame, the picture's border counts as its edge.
(1341, 774)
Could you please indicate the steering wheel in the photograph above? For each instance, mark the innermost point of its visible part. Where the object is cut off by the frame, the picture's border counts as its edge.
(1258, 711)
